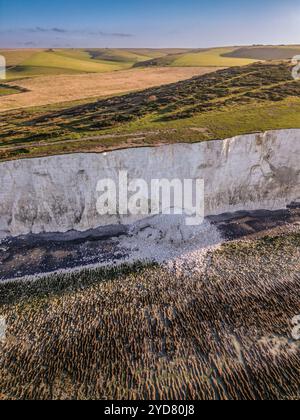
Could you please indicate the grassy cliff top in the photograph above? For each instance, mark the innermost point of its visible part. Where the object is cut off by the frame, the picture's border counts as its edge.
(237, 100)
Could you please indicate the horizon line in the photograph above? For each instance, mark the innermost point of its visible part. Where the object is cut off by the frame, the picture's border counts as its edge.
(150, 48)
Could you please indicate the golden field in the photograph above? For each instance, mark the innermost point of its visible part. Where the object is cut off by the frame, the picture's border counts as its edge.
(46, 90)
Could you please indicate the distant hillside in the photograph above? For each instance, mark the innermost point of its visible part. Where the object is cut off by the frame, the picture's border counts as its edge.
(224, 57)
(265, 53)
(52, 62)
(31, 62)
(213, 57)
(131, 55)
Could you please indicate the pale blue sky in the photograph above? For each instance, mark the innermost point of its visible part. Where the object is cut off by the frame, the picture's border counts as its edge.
(155, 23)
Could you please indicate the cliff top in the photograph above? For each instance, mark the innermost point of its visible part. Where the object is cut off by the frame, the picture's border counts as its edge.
(237, 100)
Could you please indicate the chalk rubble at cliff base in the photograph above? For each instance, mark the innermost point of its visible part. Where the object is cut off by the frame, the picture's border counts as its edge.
(166, 239)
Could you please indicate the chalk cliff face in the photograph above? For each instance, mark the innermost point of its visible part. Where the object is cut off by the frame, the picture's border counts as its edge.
(58, 194)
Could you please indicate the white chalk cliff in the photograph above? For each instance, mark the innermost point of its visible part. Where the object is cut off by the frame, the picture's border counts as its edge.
(58, 193)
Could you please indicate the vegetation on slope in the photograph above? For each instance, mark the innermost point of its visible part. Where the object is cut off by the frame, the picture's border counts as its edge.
(41, 91)
(9, 90)
(217, 105)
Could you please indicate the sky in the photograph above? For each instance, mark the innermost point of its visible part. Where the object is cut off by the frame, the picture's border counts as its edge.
(152, 23)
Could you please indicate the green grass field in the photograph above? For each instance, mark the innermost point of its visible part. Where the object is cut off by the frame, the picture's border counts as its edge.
(213, 57)
(200, 58)
(65, 61)
(62, 62)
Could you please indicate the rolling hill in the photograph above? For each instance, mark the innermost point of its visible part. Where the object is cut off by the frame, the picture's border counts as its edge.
(265, 52)
(60, 62)
(126, 55)
(213, 57)
(30, 63)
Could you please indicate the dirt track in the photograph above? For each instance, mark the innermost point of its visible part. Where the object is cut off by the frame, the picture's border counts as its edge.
(47, 90)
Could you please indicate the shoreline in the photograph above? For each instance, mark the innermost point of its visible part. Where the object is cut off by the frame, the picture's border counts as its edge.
(32, 257)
